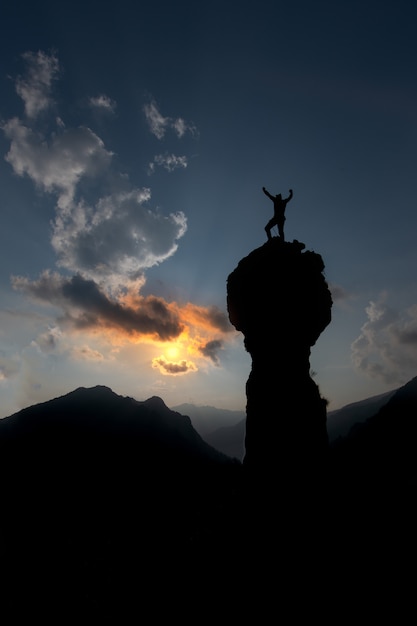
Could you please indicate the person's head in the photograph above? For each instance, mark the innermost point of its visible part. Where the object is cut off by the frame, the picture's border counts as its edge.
(278, 196)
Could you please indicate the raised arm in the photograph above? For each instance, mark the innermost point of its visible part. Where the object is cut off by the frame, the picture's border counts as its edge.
(267, 194)
(290, 196)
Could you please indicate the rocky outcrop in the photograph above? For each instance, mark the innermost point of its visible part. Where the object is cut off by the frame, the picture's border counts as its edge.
(279, 299)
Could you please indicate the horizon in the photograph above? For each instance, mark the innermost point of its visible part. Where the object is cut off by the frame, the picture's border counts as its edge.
(132, 167)
(174, 407)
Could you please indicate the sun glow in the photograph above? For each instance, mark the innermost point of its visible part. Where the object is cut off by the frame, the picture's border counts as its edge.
(172, 352)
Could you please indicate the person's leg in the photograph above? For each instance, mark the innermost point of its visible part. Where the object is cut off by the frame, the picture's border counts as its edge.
(268, 227)
(281, 228)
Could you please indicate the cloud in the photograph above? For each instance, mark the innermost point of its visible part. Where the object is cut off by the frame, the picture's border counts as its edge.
(208, 318)
(339, 294)
(181, 127)
(49, 340)
(35, 85)
(85, 309)
(211, 349)
(112, 239)
(56, 164)
(173, 368)
(158, 124)
(103, 102)
(387, 346)
(170, 162)
(86, 306)
(85, 353)
(118, 238)
(120, 235)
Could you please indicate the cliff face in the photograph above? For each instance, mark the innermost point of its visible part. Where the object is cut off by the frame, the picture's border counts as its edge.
(278, 298)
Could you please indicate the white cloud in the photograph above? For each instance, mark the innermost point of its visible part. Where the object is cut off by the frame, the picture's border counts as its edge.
(49, 340)
(57, 164)
(35, 85)
(117, 239)
(181, 127)
(103, 102)
(158, 124)
(170, 162)
(110, 240)
(387, 346)
(119, 236)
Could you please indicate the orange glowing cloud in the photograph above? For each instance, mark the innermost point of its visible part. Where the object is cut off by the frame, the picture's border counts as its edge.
(182, 331)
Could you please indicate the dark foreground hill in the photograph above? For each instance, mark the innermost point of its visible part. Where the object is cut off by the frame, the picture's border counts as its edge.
(92, 418)
(113, 508)
(340, 421)
(379, 455)
(103, 500)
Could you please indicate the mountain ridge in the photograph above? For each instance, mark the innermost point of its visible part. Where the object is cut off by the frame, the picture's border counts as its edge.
(100, 411)
(224, 429)
(229, 437)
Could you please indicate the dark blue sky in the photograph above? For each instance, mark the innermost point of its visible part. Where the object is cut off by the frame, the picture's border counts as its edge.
(135, 143)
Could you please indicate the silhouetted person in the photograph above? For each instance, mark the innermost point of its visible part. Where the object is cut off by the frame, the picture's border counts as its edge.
(279, 213)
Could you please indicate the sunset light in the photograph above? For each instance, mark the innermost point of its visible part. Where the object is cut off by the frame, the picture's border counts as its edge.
(172, 352)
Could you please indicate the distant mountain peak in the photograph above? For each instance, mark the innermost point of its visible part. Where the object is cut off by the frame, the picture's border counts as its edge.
(156, 402)
(99, 414)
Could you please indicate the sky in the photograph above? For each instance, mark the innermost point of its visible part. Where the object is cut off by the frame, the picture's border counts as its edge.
(135, 139)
